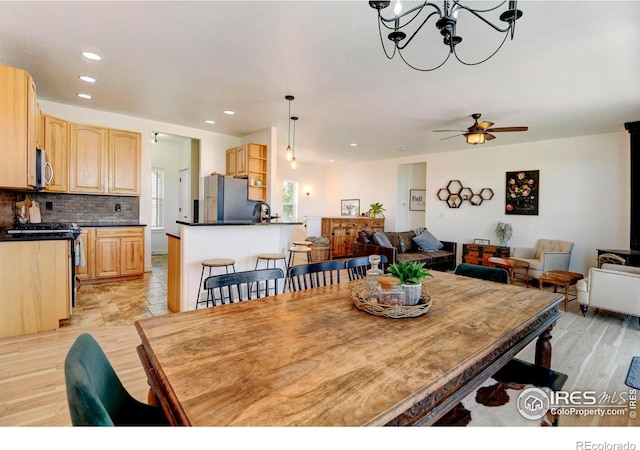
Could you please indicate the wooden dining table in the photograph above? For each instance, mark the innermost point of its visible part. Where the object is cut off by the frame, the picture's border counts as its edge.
(311, 358)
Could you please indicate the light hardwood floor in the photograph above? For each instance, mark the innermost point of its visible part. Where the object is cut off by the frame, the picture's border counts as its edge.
(594, 351)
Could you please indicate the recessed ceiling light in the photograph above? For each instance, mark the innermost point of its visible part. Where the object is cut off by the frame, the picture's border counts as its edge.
(92, 56)
(229, 112)
(87, 79)
(209, 121)
(353, 145)
(83, 95)
(331, 160)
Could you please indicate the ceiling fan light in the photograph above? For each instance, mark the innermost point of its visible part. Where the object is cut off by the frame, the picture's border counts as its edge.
(475, 138)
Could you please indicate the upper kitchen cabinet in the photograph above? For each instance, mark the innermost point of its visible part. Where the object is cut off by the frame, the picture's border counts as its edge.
(104, 161)
(124, 162)
(237, 162)
(87, 155)
(250, 161)
(20, 127)
(56, 145)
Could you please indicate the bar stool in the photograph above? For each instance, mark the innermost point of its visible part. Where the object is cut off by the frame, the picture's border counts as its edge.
(275, 257)
(298, 248)
(211, 263)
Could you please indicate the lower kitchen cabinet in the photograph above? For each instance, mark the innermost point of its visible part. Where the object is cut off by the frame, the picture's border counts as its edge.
(36, 286)
(112, 253)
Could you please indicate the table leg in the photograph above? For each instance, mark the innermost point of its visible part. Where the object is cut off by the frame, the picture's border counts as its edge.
(566, 298)
(543, 349)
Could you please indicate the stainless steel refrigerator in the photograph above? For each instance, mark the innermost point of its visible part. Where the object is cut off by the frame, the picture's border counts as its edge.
(225, 198)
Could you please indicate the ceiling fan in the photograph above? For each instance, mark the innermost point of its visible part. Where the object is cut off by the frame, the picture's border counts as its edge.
(479, 132)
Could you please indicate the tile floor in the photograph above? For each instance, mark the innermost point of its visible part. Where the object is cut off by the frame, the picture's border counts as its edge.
(116, 304)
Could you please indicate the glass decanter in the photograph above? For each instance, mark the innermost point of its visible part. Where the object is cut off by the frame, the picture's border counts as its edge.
(373, 274)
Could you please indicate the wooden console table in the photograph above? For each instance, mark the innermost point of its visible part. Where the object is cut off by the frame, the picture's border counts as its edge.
(480, 254)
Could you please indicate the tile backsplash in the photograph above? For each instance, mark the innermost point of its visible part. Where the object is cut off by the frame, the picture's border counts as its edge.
(78, 208)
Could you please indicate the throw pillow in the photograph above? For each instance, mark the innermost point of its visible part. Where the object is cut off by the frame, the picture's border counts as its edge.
(402, 247)
(381, 239)
(427, 242)
(365, 237)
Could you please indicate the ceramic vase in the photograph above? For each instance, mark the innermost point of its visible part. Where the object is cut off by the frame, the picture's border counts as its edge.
(412, 293)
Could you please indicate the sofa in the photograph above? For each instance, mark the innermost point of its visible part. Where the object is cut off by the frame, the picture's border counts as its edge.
(402, 246)
(613, 287)
(548, 254)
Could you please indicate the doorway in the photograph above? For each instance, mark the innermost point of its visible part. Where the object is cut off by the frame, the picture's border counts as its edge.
(179, 157)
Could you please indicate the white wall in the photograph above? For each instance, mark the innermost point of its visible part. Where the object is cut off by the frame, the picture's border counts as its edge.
(584, 192)
(410, 176)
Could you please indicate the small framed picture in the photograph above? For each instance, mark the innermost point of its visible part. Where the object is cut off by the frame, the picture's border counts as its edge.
(417, 199)
(350, 207)
(482, 241)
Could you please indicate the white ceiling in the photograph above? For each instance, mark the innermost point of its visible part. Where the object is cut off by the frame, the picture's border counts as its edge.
(573, 69)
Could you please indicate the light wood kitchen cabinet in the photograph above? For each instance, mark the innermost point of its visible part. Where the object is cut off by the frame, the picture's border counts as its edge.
(56, 145)
(250, 161)
(36, 286)
(19, 124)
(112, 253)
(124, 163)
(237, 162)
(104, 161)
(87, 150)
(342, 232)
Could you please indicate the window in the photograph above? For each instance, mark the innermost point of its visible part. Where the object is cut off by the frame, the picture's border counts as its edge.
(289, 200)
(157, 198)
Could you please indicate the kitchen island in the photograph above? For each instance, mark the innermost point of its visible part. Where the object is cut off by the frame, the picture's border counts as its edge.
(241, 240)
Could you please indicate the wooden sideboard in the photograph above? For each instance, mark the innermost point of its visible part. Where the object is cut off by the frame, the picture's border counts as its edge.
(479, 254)
(343, 232)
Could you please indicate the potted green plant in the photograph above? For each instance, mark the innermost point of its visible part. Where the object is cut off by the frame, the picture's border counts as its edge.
(504, 233)
(410, 274)
(376, 210)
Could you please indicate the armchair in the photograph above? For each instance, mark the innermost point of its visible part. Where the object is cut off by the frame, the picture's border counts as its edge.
(547, 255)
(612, 287)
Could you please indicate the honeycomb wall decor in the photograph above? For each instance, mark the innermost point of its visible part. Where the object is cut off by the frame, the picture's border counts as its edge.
(455, 194)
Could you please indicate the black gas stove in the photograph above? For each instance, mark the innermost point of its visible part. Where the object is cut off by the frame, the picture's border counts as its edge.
(45, 229)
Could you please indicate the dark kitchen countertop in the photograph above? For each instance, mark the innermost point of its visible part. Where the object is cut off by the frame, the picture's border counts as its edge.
(110, 225)
(233, 222)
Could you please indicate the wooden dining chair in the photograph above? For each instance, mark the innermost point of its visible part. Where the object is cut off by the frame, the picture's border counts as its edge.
(496, 274)
(307, 276)
(357, 267)
(95, 394)
(246, 285)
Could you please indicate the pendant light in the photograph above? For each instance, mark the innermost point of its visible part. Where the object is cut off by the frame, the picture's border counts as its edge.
(293, 150)
(289, 152)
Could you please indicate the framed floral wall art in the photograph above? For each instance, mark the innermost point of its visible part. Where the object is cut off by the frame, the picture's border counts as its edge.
(522, 192)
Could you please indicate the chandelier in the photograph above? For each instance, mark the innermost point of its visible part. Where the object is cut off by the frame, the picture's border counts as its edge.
(446, 19)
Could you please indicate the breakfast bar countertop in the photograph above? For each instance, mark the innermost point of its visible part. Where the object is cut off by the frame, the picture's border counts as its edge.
(233, 222)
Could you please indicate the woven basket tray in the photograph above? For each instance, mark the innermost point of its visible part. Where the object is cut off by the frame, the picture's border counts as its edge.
(395, 312)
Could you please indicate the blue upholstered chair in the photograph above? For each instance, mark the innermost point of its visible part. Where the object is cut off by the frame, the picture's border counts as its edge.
(483, 272)
(95, 395)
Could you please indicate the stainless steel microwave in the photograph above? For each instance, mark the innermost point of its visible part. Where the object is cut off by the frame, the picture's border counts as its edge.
(41, 170)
